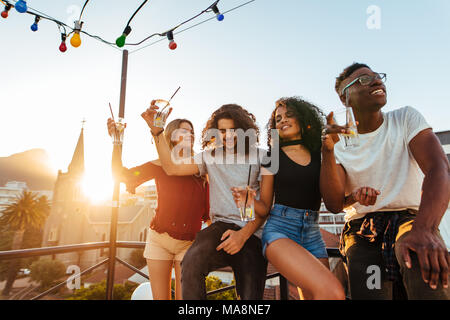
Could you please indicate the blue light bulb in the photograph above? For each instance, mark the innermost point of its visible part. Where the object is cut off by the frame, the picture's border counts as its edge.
(220, 17)
(34, 27)
(21, 6)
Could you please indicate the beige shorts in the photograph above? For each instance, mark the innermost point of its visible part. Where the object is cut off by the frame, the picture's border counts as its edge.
(161, 246)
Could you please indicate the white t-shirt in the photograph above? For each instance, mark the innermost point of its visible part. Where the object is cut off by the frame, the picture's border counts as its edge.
(384, 162)
(224, 176)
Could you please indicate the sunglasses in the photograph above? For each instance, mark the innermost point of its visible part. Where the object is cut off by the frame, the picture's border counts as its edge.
(366, 79)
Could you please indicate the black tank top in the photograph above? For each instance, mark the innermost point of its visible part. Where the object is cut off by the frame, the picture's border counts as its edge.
(297, 186)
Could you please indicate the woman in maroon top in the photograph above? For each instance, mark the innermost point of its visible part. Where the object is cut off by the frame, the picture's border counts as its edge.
(183, 203)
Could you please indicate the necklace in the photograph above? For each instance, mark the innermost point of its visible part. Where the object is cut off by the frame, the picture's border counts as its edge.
(290, 143)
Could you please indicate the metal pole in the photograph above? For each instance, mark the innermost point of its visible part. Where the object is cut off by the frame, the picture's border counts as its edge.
(284, 291)
(117, 156)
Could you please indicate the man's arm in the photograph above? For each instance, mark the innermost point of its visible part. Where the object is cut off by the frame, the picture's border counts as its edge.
(424, 238)
(332, 175)
(332, 182)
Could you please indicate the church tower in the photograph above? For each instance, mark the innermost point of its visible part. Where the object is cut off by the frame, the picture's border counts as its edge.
(65, 222)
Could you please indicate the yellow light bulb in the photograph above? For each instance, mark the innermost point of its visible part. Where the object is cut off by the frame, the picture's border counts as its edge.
(75, 41)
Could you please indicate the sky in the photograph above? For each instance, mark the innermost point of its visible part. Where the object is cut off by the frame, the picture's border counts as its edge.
(260, 52)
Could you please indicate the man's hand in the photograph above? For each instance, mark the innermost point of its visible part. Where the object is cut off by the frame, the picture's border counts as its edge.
(432, 253)
(365, 196)
(330, 133)
(234, 243)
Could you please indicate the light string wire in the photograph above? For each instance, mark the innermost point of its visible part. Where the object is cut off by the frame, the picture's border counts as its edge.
(82, 10)
(113, 45)
(142, 4)
(174, 28)
(190, 27)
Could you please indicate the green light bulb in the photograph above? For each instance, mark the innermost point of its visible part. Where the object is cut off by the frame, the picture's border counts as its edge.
(120, 42)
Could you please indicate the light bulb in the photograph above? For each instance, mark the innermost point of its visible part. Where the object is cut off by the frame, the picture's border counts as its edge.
(21, 6)
(34, 26)
(219, 16)
(75, 41)
(172, 45)
(120, 42)
(62, 46)
(5, 12)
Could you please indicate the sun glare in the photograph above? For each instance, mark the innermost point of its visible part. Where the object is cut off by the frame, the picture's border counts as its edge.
(97, 188)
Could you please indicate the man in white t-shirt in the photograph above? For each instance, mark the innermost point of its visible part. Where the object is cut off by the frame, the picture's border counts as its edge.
(397, 181)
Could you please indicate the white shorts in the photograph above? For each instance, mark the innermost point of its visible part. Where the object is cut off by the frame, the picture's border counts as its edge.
(161, 246)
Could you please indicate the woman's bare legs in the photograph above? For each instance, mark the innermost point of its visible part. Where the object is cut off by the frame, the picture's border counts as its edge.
(304, 270)
(160, 275)
(305, 295)
(178, 292)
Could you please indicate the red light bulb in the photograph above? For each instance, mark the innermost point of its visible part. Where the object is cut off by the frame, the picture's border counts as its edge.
(5, 14)
(172, 45)
(63, 47)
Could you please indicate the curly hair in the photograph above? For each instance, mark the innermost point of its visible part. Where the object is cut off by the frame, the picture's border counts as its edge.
(242, 120)
(309, 117)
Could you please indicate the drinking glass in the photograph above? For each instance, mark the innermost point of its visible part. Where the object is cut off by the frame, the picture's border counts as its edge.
(246, 203)
(117, 135)
(346, 118)
(161, 116)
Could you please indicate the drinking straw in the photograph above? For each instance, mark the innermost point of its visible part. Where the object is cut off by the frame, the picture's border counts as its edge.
(168, 102)
(112, 114)
(174, 93)
(248, 185)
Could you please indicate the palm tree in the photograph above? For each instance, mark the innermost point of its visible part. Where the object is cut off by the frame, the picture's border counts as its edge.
(27, 212)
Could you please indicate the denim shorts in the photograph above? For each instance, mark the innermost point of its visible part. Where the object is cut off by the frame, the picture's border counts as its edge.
(299, 225)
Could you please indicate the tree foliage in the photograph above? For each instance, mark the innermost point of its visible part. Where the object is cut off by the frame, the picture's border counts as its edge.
(137, 259)
(27, 212)
(214, 283)
(21, 222)
(98, 292)
(47, 272)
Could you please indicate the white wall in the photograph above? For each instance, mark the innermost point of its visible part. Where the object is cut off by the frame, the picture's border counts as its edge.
(445, 228)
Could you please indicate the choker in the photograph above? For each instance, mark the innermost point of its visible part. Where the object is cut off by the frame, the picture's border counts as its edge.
(290, 143)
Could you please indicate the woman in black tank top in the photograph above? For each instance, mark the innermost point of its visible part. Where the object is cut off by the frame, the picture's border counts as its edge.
(292, 241)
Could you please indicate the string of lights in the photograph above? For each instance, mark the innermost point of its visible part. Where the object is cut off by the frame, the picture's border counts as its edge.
(169, 33)
(22, 7)
(61, 25)
(190, 27)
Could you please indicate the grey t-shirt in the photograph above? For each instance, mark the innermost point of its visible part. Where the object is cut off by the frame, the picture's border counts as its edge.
(222, 177)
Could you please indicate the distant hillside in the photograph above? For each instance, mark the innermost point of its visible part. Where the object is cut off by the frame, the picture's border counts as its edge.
(32, 166)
